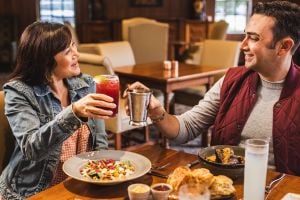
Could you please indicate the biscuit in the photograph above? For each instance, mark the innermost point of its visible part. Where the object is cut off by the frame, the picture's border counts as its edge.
(203, 175)
(183, 175)
(178, 177)
(221, 186)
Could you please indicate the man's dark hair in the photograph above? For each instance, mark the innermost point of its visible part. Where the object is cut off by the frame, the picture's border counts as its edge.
(287, 19)
(39, 43)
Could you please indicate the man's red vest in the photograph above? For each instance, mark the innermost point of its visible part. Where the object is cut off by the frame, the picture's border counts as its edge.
(238, 96)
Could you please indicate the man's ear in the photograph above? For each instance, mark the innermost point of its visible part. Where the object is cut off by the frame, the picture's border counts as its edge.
(286, 44)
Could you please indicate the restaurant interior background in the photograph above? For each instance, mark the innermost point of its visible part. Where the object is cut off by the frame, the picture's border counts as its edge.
(100, 21)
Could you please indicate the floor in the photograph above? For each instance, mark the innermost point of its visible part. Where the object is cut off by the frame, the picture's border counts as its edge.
(136, 137)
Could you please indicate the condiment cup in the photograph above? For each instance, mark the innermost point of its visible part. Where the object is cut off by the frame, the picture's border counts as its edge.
(138, 191)
(161, 191)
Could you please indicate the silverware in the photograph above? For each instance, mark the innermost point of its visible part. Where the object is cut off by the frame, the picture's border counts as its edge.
(158, 174)
(154, 171)
(191, 164)
(270, 186)
(160, 167)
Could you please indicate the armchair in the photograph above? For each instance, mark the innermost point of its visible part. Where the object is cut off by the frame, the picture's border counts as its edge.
(216, 53)
(131, 22)
(94, 64)
(119, 53)
(217, 30)
(148, 39)
(149, 42)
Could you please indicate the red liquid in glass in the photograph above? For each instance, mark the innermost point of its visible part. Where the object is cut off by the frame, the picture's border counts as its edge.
(109, 85)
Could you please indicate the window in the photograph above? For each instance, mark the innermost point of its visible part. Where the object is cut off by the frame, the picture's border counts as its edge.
(235, 12)
(57, 11)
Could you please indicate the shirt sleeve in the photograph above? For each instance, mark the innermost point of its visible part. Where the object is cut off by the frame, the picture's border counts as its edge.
(197, 120)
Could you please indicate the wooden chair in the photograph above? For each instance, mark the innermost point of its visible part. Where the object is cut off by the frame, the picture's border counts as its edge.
(7, 141)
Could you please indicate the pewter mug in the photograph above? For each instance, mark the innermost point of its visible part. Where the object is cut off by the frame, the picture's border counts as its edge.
(138, 101)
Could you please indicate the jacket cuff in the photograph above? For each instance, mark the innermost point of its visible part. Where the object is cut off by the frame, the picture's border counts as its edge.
(68, 120)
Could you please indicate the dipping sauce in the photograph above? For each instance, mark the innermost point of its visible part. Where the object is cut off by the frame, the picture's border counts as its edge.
(139, 189)
(161, 191)
(161, 188)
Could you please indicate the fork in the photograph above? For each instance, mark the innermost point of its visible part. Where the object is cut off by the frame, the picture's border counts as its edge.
(278, 178)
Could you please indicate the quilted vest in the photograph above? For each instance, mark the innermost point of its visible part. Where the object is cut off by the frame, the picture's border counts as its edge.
(238, 97)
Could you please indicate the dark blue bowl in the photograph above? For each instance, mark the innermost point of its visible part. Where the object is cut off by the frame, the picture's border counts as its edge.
(233, 171)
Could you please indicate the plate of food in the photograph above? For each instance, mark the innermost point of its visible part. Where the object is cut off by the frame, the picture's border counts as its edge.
(107, 167)
(220, 186)
(223, 160)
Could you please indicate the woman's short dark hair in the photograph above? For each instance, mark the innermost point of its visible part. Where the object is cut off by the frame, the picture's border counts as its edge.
(287, 17)
(39, 43)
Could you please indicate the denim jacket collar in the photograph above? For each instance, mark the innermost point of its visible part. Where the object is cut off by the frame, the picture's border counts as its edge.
(75, 83)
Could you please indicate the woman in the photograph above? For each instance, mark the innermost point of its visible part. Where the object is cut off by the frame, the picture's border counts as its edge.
(52, 108)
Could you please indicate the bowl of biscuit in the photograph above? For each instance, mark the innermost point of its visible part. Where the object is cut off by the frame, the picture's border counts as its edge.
(220, 186)
(223, 160)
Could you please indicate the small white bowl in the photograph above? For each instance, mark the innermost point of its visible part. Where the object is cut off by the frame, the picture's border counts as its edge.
(138, 191)
(161, 191)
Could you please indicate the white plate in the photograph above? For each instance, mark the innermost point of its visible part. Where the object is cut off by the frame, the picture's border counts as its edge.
(73, 165)
(291, 196)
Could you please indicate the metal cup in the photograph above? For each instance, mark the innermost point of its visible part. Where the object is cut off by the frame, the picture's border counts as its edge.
(138, 100)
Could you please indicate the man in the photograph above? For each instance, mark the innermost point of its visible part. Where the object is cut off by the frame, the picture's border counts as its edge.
(258, 100)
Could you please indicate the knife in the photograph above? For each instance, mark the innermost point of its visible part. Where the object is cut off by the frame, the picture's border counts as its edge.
(193, 163)
(158, 174)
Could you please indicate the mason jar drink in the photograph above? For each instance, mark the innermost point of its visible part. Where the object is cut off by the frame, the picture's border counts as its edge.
(109, 84)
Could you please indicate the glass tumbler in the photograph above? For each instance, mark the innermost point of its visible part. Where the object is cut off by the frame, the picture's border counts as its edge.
(109, 84)
(194, 192)
(256, 163)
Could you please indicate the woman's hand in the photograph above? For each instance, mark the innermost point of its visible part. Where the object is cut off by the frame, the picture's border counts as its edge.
(94, 105)
(154, 103)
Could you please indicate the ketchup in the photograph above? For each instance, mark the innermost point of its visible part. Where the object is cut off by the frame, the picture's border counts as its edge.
(161, 188)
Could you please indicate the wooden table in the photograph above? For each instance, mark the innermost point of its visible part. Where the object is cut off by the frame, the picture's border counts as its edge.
(72, 189)
(153, 75)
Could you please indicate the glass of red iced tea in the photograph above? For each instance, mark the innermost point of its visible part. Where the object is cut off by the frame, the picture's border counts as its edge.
(109, 84)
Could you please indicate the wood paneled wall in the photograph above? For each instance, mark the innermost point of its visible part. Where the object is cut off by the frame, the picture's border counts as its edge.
(26, 10)
(23, 10)
(120, 9)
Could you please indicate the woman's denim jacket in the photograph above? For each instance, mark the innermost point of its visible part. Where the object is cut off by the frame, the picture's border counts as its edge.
(40, 126)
